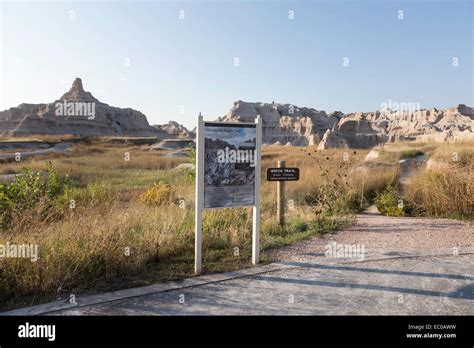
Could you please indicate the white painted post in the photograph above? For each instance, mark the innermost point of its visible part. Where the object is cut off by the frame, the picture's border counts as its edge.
(256, 207)
(199, 193)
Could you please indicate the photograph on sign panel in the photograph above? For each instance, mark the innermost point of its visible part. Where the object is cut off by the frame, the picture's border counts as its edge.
(229, 166)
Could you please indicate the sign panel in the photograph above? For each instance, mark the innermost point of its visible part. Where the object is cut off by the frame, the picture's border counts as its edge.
(229, 164)
(283, 174)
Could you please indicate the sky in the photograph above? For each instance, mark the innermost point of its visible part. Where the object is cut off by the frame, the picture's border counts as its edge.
(172, 60)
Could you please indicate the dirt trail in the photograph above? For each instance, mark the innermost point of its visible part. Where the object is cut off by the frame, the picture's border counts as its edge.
(384, 234)
(409, 167)
(411, 266)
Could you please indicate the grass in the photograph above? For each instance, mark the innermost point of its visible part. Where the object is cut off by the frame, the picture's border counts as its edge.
(444, 189)
(111, 240)
(411, 153)
(447, 188)
(391, 153)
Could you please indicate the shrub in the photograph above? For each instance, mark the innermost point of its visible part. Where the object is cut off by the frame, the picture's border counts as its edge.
(190, 174)
(388, 203)
(334, 197)
(160, 194)
(192, 154)
(5, 207)
(55, 183)
(31, 196)
(391, 204)
(92, 195)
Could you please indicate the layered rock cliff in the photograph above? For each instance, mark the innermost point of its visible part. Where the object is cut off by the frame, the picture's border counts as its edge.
(284, 123)
(76, 112)
(175, 130)
(364, 130)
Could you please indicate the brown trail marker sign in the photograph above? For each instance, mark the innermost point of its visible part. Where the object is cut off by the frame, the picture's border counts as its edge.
(283, 174)
(280, 175)
(228, 173)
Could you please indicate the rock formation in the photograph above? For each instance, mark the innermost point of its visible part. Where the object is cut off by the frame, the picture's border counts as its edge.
(76, 112)
(283, 123)
(175, 130)
(369, 129)
(173, 144)
(332, 140)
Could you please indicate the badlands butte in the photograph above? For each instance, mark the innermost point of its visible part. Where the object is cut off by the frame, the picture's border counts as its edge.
(79, 113)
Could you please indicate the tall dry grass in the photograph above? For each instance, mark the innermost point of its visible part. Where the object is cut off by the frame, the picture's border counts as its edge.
(111, 238)
(446, 188)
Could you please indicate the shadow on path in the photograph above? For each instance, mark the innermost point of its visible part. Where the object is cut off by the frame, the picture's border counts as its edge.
(376, 270)
(465, 292)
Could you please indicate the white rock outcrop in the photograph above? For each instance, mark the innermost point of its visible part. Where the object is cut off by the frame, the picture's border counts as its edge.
(372, 155)
(332, 140)
(372, 128)
(284, 123)
(175, 130)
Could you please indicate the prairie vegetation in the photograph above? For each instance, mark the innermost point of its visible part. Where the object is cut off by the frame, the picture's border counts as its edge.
(445, 188)
(103, 222)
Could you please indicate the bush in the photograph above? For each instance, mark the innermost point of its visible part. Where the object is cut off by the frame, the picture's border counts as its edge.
(31, 195)
(159, 194)
(391, 204)
(5, 207)
(190, 174)
(334, 197)
(92, 195)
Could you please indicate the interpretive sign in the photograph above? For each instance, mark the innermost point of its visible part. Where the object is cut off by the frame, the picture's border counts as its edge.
(228, 170)
(229, 165)
(283, 174)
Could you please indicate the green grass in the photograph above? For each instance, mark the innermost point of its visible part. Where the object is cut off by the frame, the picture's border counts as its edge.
(410, 153)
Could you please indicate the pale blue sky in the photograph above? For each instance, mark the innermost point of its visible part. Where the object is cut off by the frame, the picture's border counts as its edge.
(188, 63)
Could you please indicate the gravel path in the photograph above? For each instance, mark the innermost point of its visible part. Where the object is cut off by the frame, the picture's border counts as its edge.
(410, 266)
(381, 235)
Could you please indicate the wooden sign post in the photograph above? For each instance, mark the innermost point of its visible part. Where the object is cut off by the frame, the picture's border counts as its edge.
(281, 197)
(280, 175)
